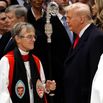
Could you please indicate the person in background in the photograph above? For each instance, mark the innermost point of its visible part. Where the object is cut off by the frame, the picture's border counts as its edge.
(52, 55)
(82, 61)
(22, 78)
(97, 9)
(4, 35)
(37, 14)
(15, 14)
(93, 9)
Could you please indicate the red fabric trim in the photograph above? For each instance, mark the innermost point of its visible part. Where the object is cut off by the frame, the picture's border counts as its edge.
(11, 70)
(10, 57)
(37, 62)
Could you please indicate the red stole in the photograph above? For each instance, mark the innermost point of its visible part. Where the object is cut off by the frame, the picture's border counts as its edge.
(10, 57)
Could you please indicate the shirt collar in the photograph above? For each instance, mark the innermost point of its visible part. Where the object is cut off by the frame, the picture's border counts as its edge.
(83, 30)
(23, 52)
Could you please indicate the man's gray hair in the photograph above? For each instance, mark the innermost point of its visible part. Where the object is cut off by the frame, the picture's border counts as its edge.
(20, 11)
(16, 30)
(80, 9)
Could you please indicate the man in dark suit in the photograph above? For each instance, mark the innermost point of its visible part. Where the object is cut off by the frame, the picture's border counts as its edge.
(81, 64)
(4, 35)
(15, 14)
(51, 54)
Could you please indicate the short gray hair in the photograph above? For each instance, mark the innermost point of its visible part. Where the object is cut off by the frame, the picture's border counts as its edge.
(16, 30)
(80, 9)
(19, 10)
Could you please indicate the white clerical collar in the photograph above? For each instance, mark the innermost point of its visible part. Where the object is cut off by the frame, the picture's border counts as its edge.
(23, 52)
(83, 30)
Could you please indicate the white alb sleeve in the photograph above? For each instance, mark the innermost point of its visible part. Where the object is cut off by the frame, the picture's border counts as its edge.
(4, 81)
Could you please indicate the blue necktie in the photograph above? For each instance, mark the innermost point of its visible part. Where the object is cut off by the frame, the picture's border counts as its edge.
(70, 34)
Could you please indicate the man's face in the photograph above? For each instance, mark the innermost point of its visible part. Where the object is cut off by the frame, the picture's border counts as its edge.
(3, 27)
(26, 39)
(11, 19)
(73, 20)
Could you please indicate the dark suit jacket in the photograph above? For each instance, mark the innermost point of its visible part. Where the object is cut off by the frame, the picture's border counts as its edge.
(3, 42)
(52, 55)
(38, 24)
(81, 65)
(10, 46)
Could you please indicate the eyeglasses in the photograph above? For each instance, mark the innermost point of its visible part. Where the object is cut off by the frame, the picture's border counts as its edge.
(30, 37)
